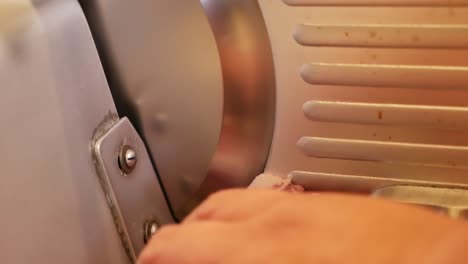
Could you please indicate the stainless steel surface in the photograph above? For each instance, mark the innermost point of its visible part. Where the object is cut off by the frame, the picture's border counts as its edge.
(202, 97)
(317, 181)
(382, 75)
(165, 75)
(249, 95)
(387, 152)
(135, 199)
(369, 95)
(53, 95)
(127, 159)
(452, 202)
(422, 116)
(150, 228)
(383, 36)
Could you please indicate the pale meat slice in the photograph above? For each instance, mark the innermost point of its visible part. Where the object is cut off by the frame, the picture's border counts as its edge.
(269, 181)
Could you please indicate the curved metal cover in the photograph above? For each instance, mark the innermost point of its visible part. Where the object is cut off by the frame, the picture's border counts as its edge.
(206, 116)
(165, 75)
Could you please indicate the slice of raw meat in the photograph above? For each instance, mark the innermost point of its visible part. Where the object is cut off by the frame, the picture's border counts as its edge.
(269, 181)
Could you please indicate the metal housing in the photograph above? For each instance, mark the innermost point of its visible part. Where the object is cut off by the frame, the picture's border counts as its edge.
(54, 95)
(202, 96)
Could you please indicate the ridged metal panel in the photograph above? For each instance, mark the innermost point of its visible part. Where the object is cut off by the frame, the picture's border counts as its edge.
(370, 88)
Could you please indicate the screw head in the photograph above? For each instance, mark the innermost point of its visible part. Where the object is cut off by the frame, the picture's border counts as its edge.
(130, 158)
(151, 227)
(127, 159)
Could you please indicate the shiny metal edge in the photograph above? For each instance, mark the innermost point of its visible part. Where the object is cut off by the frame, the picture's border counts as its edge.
(103, 128)
(135, 197)
(249, 96)
(319, 181)
(450, 201)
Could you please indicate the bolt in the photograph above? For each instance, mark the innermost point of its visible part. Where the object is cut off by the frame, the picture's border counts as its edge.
(151, 227)
(127, 159)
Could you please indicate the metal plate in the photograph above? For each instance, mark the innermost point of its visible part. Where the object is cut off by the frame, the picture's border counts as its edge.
(135, 197)
(202, 97)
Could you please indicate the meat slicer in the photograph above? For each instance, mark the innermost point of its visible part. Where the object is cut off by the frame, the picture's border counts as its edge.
(118, 116)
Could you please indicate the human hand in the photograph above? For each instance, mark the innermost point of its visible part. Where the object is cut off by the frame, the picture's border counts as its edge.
(252, 226)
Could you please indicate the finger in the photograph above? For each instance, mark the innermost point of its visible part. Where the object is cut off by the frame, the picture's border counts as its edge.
(235, 205)
(203, 242)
